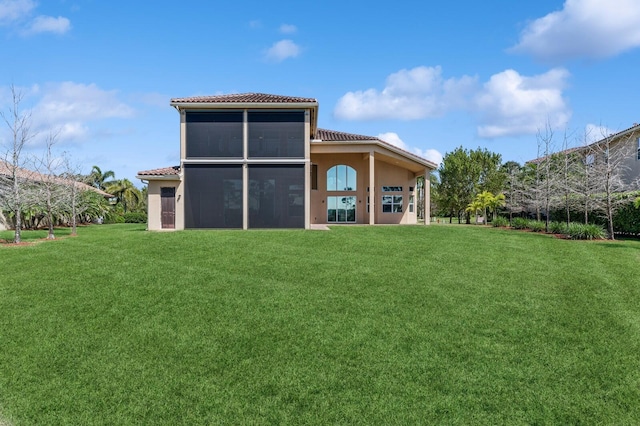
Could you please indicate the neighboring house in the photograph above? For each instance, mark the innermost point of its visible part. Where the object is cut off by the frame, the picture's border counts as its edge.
(33, 176)
(260, 161)
(625, 142)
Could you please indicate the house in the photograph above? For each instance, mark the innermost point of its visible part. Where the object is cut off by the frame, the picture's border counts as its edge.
(260, 161)
(26, 175)
(624, 146)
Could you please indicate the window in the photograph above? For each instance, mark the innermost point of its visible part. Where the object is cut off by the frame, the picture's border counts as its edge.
(341, 209)
(589, 159)
(214, 134)
(276, 134)
(391, 189)
(392, 204)
(411, 204)
(638, 142)
(341, 178)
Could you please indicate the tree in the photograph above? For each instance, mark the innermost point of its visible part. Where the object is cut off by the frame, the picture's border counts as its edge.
(475, 207)
(513, 187)
(463, 174)
(13, 185)
(125, 192)
(495, 202)
(49, 189)
(98, 179)
(609, 169)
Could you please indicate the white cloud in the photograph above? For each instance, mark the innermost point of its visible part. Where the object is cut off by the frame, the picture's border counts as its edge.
(282, 50)
(432, 155)
(17, 13)
(395, 140)
(69, 107)
(594, 132)
(15, 10)
(412, 94)
(48, 24)
(288, 29)
(583, 29)
(506, 105)
(512, 104)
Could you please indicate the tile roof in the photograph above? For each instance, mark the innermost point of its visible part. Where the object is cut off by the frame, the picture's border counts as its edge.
(332, 136)
(26, 174)
(609, 138)
(325, 135)
(244, 98)
(164, 171)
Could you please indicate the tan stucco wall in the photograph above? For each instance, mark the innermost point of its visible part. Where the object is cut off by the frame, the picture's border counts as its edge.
(154, 204)
(386, 174)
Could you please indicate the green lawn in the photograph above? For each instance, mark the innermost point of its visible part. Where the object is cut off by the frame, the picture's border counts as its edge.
(357, 325)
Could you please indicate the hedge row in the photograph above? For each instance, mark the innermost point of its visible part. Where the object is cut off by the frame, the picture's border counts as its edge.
(575, 231)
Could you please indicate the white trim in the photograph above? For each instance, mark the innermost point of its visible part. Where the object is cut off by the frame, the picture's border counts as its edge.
(159, 177)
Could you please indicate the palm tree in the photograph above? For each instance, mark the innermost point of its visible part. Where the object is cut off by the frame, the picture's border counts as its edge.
(475, 207)
(496, 202)
(98, 179)
(125, 193)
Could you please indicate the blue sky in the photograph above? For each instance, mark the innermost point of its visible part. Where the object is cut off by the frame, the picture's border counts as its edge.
(428, 76)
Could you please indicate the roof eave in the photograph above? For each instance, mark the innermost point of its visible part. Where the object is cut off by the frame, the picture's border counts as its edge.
(159, 177)
(416, 159)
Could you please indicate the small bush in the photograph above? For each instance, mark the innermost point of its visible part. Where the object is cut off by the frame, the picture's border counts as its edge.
(135, 217)
(499, 222)
(579, 231)
(558, 228)
(536, 225)
(113, 218)
(594, 232)
(519, 223)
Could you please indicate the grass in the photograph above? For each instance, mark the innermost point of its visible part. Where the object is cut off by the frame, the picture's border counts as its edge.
(358, 325)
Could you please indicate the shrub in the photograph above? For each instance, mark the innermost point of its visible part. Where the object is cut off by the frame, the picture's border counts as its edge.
(594, 232)
(500, 222)
(558, 228)
(113, 218)
(579, 231)
(536, 225)
(135, 217)
(575, 231)
(519, 223)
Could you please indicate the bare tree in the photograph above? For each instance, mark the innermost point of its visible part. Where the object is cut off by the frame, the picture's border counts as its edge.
(546, 172)
(609, 169)
(584, 178)
(12, 182)
(569, 166)
(50, 188)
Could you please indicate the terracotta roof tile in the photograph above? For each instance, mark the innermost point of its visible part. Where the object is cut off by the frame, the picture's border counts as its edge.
(164, 171)
(257, 98)
(333, 136)
(22, 173)
(610, 137)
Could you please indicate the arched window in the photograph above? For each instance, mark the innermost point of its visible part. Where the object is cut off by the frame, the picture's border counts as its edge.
(341, 178)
